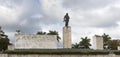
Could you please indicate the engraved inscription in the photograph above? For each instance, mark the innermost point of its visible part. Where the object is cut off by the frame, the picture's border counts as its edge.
(23, 41)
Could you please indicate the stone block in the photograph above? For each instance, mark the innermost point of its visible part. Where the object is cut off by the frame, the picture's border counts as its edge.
(30, 41)
(98, 42)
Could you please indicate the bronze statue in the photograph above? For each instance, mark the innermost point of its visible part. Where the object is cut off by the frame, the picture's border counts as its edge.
(18, 31)
(0, 27)
(66, 19)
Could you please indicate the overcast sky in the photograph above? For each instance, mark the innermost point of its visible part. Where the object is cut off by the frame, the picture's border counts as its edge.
(87, 17)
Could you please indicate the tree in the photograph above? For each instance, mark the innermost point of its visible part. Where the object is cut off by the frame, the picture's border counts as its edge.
(85, 42)
(106, 39)
(50, 33)
(54, 33)
(41, 33)
(76, 45)
(4, 41)
(113, 44)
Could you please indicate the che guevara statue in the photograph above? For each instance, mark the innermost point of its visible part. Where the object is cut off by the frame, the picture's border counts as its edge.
(66, 19)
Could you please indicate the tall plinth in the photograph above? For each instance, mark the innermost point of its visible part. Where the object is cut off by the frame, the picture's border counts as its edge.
(67, 37)
(98, 42)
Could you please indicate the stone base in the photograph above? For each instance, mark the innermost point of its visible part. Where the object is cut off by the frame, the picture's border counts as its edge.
(98, 42)
(67, 37)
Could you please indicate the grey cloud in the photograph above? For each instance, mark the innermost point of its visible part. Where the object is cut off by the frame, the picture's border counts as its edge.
(86, 4)
(90, 18)
(80, 12)
(11, 3)
(33, 23)
(109, 20)
(29, 8)
(97, 21)
(47, 20)
(81, 8)
(52, 11)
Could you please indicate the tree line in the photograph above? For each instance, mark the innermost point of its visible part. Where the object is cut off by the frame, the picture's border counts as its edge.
(4, 40)
(51, 32)
(83, 44)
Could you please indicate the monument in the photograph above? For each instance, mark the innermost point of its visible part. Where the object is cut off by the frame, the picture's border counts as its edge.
(31, 41)
(66, 32)
(98, 42)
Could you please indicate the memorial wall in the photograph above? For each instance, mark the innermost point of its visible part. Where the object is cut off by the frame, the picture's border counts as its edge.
(28, 41)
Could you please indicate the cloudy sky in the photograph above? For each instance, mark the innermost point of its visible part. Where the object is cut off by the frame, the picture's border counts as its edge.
(87, 17)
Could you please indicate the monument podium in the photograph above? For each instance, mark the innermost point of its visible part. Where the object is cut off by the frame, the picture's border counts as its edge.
(98, 42)
(67, 37)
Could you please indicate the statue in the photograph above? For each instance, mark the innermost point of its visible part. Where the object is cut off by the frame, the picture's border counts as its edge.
(1, 31)
(66, 19)
(0, 27)
(18, 31)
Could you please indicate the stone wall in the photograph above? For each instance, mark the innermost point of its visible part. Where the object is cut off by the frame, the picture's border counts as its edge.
(53, 55)
(3, 55)
(10, 47)
(30, 41)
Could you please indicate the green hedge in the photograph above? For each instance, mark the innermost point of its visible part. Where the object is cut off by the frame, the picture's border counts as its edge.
(58, 51)
(117, 52)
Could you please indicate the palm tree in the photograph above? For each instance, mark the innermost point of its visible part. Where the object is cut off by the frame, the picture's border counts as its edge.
(41, 33)
(85, 42)
(54, 33)
(76, 45)
(106, 39)
(113, 44)
(50, 33)
(4, 41)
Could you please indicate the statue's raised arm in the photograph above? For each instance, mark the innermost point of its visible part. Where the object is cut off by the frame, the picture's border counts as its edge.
(66, 19)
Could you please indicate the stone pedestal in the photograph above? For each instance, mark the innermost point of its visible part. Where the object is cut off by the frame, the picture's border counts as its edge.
(67, 37)
(118, 47)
